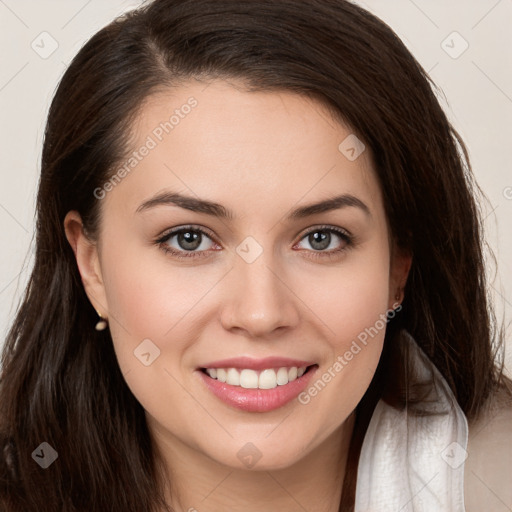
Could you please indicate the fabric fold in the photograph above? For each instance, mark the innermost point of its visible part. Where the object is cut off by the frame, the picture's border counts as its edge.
(412, 460)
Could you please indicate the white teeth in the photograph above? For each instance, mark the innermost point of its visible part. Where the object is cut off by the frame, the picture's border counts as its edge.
(282, 376)
(233, 377)
(212, 372)
(267, 380)
(250, 379)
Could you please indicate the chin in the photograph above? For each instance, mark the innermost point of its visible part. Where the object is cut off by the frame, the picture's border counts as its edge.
(261, 454)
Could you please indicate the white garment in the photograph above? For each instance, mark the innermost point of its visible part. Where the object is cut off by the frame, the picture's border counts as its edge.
(413, 460)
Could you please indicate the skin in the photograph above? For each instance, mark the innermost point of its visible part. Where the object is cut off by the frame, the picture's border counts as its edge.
(259, 154)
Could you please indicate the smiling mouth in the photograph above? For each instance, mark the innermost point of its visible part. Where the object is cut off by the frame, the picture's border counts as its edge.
(268, 378)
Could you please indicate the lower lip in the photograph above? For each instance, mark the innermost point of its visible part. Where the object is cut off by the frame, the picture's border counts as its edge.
(257, 400)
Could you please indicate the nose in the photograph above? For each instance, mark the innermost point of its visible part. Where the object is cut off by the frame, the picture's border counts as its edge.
(260, 301)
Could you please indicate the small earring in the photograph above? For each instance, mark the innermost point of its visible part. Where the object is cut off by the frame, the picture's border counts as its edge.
(398, 294)
(102, 324)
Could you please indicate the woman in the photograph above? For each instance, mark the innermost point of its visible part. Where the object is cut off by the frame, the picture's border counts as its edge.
(259, 281)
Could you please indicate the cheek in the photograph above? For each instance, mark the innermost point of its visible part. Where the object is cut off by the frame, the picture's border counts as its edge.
(356, 329)
(149, 297)
(149, 294)
(352, 303)
(152, 308)
(350, 297)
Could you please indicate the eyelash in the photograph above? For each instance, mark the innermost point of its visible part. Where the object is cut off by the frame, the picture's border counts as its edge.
(344, 235)
(348, 239)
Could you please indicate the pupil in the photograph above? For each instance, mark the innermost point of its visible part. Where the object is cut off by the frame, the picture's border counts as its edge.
(189, 240)
(320, 240)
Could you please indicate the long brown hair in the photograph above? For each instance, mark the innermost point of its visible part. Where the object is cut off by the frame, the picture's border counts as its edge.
(61, 382)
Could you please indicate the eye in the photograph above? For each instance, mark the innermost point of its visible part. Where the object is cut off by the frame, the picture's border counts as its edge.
(186, 242)
(195, 242)
(325, 239)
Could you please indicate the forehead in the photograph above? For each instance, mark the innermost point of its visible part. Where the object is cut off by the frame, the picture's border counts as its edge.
(243, 149)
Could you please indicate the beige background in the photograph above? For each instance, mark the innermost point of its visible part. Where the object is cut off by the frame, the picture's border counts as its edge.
(476, 81)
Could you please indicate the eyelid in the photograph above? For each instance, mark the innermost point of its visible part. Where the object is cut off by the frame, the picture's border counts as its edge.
(196, 227)
(183, 255)
(162, 239)
(326, 227)
(193, 227)
(349, 242)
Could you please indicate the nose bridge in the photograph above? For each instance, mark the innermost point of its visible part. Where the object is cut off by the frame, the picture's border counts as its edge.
(260, 302)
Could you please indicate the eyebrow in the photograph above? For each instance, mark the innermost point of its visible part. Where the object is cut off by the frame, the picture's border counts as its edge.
(217, 210)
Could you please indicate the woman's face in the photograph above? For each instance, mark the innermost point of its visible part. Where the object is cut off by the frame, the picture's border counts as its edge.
(256, 272)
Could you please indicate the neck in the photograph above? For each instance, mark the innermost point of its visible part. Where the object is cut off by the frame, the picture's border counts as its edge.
(200, 484)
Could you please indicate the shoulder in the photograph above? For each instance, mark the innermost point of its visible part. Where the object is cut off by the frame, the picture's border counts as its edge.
(488, 466)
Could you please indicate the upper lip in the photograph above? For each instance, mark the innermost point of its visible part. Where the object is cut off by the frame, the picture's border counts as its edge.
(258, 364)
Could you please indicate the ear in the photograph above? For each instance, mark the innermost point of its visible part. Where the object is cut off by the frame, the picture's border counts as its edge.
(88, 262)
(401, 261)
